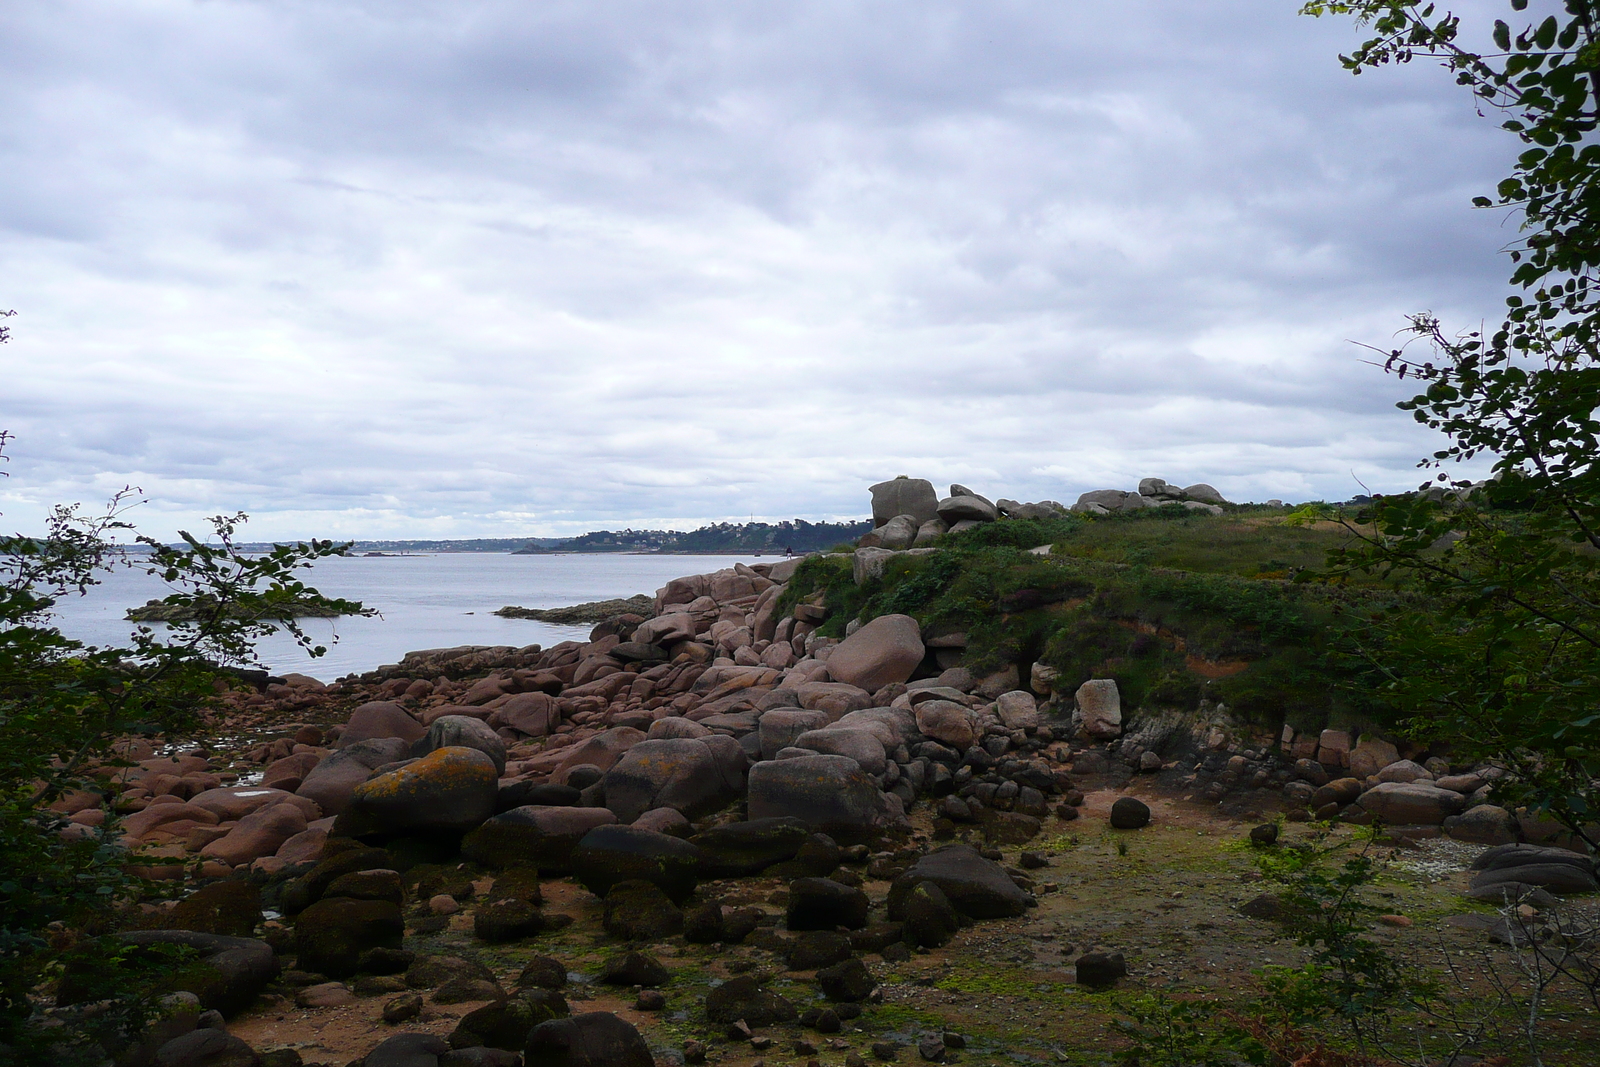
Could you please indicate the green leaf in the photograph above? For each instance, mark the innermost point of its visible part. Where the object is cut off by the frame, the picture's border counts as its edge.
(1545, 35)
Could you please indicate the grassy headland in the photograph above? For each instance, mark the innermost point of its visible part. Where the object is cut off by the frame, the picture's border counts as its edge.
(1176, 606)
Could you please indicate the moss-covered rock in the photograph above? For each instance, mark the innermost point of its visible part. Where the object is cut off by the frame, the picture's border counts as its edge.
(640, 911)
(740, 849)
(331, 934)
(230, 908)
(506, 1024)
(368, 885)
(518, 883)
(746, 998)
(608, 855)
(300, 893)
(507, 920)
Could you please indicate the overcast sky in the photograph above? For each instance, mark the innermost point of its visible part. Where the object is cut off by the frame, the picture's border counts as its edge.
(468, 268)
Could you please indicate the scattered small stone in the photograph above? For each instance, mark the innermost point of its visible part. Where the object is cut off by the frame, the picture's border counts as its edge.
(822, 1020)
(1265, 906)
(634, 968)
(443, 904)
(650, 1000)
(1032, 861)
(1394, 920)
(402, 1008)
(694, 1052)
(1101, 968)
(326, 995)
(739, 1031)
(761, 1044)
(885, 1050)
(954, 1040)
(931, 1049)
(1264, 835)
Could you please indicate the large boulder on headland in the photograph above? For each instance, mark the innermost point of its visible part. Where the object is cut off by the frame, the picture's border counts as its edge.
(1129, 813)
(407, 1050)
(834, 698)
(381, 718)
(637, 910)
(331, 934)
(1556, 869)
(608, 855)
(261, 833)
(885, 650)
(237, 801)
(1407, 803)
(452, 789)
(533, 714)
(904, 496)
(740, 849)
(534, 835)
(898, 533)
(977, 887)
(680, 773)
(780, 727)
(967, 508)
(1100, 705)
(505, 1024)
(463, 731)
(745, 998)
(603, 750)
(593, 1039)
(947, 721)
(1371, 755)
(227, 972)
(331, 782)
(823, 904)
(206, 1047)
(829, 793)
(862, 745)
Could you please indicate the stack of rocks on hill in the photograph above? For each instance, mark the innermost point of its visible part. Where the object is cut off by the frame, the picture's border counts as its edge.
(1152, 492)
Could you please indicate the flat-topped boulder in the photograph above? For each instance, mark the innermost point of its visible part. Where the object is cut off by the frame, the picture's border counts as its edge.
(976, 887)
(678, 772)
(534, 835)
(831, 794)
(380, 718)
(452, 789)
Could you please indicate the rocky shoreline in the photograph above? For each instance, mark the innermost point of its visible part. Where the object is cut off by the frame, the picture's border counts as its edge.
(712, 739)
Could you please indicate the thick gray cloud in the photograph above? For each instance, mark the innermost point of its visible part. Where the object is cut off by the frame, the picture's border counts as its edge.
(497, 268)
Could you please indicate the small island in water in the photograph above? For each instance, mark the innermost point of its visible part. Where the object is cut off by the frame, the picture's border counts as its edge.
(597, 611)
(309, 608)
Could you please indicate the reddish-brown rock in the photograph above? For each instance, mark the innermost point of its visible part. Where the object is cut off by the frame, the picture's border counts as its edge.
(380, 718)
(261, 833)
(887, 649)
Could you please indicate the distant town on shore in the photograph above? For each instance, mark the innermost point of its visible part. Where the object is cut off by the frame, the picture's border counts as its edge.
(723, 538)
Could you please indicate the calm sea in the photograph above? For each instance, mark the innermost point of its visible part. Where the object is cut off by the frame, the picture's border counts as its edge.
(426, 601)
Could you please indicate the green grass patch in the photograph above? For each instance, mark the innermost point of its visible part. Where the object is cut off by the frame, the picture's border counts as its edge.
(1253, 544)
(1176, 607)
